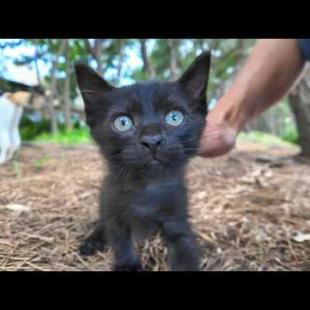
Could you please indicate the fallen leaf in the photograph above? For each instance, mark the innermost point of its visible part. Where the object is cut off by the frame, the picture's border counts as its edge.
(5, 242)
(301, 237)
(18, 207)
(201, 195)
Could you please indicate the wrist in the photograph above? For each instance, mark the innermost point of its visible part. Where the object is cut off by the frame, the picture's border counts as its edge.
(232, 110)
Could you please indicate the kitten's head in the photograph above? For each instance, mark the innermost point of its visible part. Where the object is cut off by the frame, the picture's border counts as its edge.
(150, 125)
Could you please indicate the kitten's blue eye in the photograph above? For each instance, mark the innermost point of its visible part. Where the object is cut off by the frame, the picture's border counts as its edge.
(174, 118)
(123, 123)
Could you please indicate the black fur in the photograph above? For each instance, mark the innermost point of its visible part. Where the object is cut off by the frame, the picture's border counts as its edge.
(144, 191)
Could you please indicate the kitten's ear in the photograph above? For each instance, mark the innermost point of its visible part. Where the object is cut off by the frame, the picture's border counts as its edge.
(93, 88)
(195, 79)
(89, 79)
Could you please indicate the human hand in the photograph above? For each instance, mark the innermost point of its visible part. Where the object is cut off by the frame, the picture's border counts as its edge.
(218, 137)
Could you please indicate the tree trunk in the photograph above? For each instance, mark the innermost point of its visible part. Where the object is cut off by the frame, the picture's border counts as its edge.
(299, 100)
(36, 63)
(96, 52)
(241, 50)
(67, 101)
(120, 60)
(272, 123)
(98, 48)
(239, 53)
(51, 108)
(147, 68)
(173, 46)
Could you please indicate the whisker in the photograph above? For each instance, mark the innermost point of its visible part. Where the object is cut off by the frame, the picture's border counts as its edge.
(126, 173)
(118, 154)
(188, 149)
(92, 91)
(190, 140)
(122, 173)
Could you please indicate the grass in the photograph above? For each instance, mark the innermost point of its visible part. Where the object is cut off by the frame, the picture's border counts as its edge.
(291, 135)
(40, 163)
(17, 169)
(257, 136)
(78, 136)
(74, 136)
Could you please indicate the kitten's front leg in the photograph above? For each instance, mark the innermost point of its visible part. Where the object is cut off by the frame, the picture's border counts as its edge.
(125, 258)
(183, 252)
(96, 241)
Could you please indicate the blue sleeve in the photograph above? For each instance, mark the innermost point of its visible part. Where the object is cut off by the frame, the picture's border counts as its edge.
(304, 45)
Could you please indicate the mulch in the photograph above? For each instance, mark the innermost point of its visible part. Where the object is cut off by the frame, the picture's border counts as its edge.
(250, 210)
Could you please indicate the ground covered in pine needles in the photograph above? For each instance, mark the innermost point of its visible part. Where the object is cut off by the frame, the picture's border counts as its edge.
(250, 210)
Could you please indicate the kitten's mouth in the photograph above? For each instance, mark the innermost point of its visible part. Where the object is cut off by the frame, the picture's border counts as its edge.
(151, 165)
(155, 162)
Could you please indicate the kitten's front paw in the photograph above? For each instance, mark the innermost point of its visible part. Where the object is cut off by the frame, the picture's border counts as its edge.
(93, 243)
(128, 267)
(90, 247)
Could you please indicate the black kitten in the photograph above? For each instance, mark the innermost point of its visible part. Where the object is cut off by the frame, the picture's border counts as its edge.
(147, 132)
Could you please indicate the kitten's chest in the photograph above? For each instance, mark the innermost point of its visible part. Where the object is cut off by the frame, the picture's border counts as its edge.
(154, 197)
(150, 206)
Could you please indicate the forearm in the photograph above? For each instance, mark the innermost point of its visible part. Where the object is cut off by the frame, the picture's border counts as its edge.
(266, 77)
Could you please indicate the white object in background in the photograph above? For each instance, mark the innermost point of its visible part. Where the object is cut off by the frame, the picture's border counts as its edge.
(10, 115)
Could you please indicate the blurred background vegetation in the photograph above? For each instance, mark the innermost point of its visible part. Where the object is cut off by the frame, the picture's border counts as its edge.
(122, 61)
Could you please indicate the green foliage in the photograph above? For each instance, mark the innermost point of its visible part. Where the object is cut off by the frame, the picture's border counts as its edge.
(40, 163)
(279, 121)
(160, 58)
(29, 129)
(291, 135)
(227, 55)
(40, 131)
(262, 137)
(75, 136)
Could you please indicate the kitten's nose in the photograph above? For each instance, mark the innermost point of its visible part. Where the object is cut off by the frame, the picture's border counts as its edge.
(152, 142)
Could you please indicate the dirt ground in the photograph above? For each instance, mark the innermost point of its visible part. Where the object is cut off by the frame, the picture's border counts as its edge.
(250, 209)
